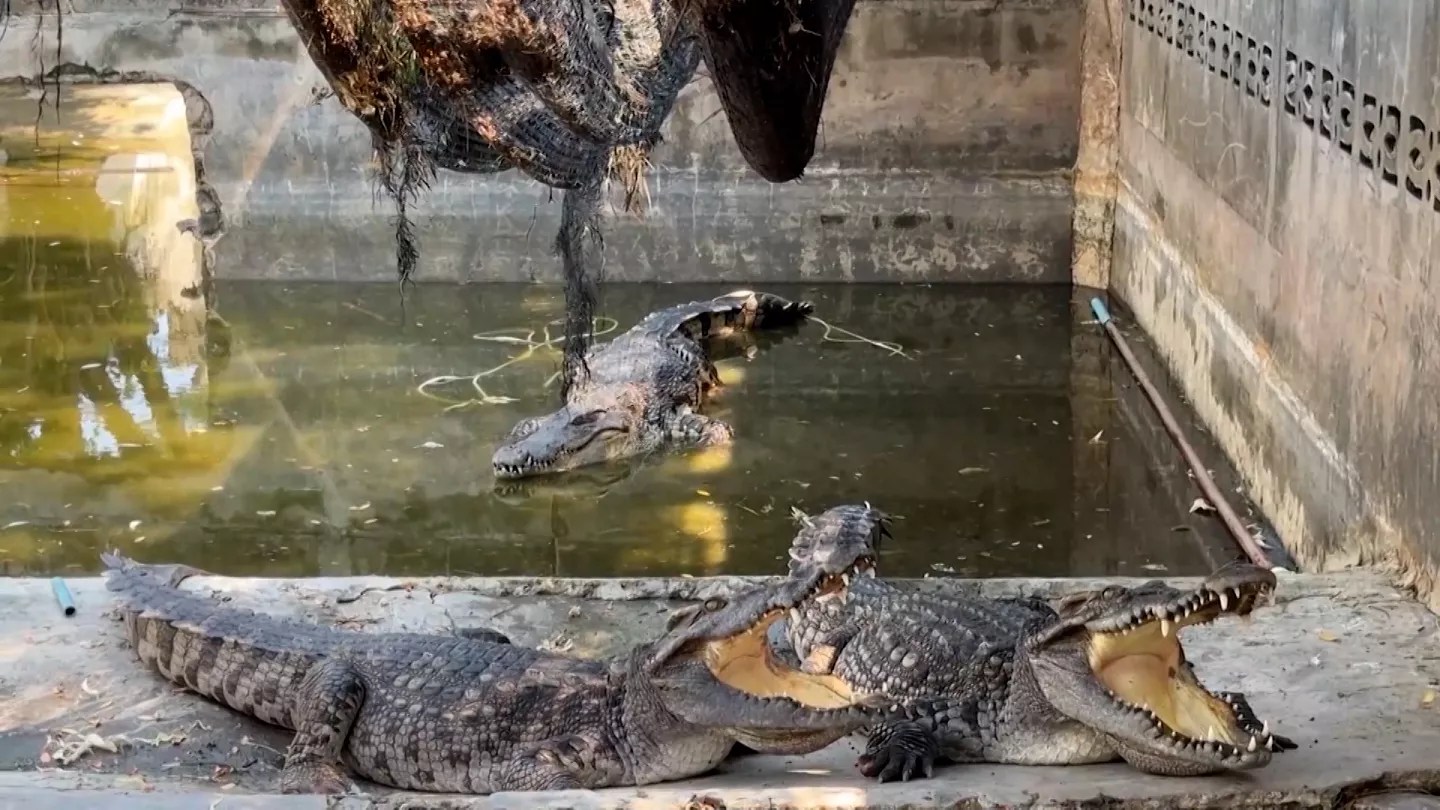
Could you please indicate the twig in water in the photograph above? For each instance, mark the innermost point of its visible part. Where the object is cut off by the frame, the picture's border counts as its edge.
(521, 336)
(601, 326)
(851, 337)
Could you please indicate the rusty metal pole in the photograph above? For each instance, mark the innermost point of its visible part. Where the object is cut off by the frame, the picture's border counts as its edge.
(1207, 484)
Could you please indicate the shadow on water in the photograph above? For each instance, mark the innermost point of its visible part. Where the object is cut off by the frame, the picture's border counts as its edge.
(1007, 439)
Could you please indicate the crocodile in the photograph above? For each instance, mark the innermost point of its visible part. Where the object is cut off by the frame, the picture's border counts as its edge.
(471, 712)
(1099, 676)
(644, 389)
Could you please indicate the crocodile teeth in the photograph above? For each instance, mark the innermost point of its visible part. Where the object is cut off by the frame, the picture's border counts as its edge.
(1164, 627)
(1265, 728)
(1254, 743)
(1224, 601)
(795, 615)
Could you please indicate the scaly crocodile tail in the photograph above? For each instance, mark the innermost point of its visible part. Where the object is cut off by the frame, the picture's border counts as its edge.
(248, 661)
(739, 311)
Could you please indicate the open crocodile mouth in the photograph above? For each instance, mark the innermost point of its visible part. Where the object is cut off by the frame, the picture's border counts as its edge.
(747, 663)
(1141, 663)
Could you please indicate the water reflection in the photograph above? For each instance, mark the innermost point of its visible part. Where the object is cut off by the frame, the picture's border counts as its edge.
(96, 365)
(106, 346)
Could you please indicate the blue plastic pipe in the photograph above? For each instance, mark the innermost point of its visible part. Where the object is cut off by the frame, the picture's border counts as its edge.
(62, 595)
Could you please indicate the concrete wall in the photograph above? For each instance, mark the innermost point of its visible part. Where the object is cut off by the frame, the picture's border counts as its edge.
(947, 142)
(1278, 232)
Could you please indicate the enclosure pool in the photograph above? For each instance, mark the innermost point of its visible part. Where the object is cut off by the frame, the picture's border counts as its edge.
(287, 432)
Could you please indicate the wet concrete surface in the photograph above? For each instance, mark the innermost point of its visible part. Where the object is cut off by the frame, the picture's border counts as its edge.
(1344, 664)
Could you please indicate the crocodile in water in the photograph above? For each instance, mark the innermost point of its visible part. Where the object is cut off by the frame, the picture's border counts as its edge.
(645, 388)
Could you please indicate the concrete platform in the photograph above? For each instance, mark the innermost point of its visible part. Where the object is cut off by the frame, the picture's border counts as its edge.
(1343, 663)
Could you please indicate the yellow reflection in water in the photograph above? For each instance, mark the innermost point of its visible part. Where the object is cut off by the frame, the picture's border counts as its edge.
(732, 374)
(710, 459)
(705, 528)
(105, 373)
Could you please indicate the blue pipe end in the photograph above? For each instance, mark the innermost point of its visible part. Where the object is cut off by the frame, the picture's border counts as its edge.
(62, 595)
(1101, 311)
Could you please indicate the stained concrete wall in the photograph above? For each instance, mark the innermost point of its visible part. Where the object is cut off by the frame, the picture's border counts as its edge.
(1278, 232)
(947, 143)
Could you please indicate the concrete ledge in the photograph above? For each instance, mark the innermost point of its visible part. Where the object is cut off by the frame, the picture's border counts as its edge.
(1353, 696)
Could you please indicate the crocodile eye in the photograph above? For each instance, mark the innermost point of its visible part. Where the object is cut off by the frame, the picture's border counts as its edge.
(714, 603)
(587, 418)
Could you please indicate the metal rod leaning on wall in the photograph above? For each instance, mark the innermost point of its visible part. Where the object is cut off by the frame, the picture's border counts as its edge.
(1202, 476)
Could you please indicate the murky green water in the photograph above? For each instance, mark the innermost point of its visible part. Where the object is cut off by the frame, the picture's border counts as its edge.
(284, 434)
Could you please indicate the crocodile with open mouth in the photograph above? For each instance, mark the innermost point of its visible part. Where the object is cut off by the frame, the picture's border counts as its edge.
(644, 388)
(1099, 676)
(471, 712)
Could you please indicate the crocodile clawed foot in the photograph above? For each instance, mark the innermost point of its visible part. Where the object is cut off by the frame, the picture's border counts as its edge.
(888, 765)
(901, 752)
(716, 434)
(313, 779)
